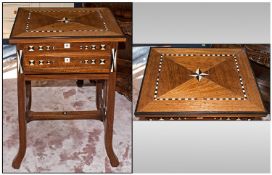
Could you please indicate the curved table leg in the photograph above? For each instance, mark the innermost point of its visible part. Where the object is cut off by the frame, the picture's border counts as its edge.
(22, 122)
(108, 123)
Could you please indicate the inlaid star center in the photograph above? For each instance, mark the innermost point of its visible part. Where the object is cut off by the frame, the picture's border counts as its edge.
(199, 74)
(64, 20)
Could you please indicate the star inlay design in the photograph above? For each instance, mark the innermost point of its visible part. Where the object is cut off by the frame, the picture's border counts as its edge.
(199, 74)
(64, 20)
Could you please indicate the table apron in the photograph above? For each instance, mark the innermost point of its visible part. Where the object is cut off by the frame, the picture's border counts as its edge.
(93, 76)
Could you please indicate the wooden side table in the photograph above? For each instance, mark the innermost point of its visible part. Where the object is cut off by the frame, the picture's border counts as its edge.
(66, 43)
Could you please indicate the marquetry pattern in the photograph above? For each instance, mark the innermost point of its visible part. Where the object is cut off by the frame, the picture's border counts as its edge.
(199, 75)
(58, 18)
(42, 62)
(69, 46)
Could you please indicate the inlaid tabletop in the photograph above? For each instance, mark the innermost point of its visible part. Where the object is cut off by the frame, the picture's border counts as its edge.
(65, 22)
(181, 81)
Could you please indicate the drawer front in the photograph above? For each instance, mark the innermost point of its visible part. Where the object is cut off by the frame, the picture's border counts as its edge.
(63, 63)
(64, 47)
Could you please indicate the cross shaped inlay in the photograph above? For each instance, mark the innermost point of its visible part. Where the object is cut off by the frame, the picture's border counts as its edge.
(64, 20)
(199, 74)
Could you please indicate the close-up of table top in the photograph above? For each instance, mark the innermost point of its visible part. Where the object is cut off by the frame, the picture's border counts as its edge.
(200, 83)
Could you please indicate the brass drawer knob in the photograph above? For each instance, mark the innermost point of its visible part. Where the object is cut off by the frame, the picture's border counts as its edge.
(40, 48)
(86, 61)
(48, 62)
(102, 61)
(47, 47)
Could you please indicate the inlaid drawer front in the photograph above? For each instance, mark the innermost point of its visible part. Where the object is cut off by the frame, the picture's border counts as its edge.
(62, 64)
(84, 47)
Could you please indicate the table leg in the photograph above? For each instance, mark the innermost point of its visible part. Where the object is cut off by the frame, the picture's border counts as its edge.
(108, 123)
(99, 104)
(79, 83)
(98, 94)
(22, 122)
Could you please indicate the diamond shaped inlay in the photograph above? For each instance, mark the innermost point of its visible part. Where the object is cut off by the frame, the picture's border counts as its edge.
(64, 20)
(199, 74)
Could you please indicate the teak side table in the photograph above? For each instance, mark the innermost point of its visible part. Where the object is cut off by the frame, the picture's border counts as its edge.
(66, 43)
(199, 84)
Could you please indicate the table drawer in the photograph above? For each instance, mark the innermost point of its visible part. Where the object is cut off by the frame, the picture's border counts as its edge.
(66, 63)
(64, 47)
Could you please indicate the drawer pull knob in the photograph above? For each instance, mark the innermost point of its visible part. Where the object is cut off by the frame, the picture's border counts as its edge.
(67, 46)
(31, 62)
(67, 60)
(86, 47)
(102, 61)
(93, 47)
(86, 61)
(40, 48)
(103, 47)
(40, 62)
(47, 47)
(31, 48)
(93, 62)
(48, 62)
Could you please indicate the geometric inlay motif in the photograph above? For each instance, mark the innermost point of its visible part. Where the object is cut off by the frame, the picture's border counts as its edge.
(64, 20)
(197, 77)
(199, 74)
